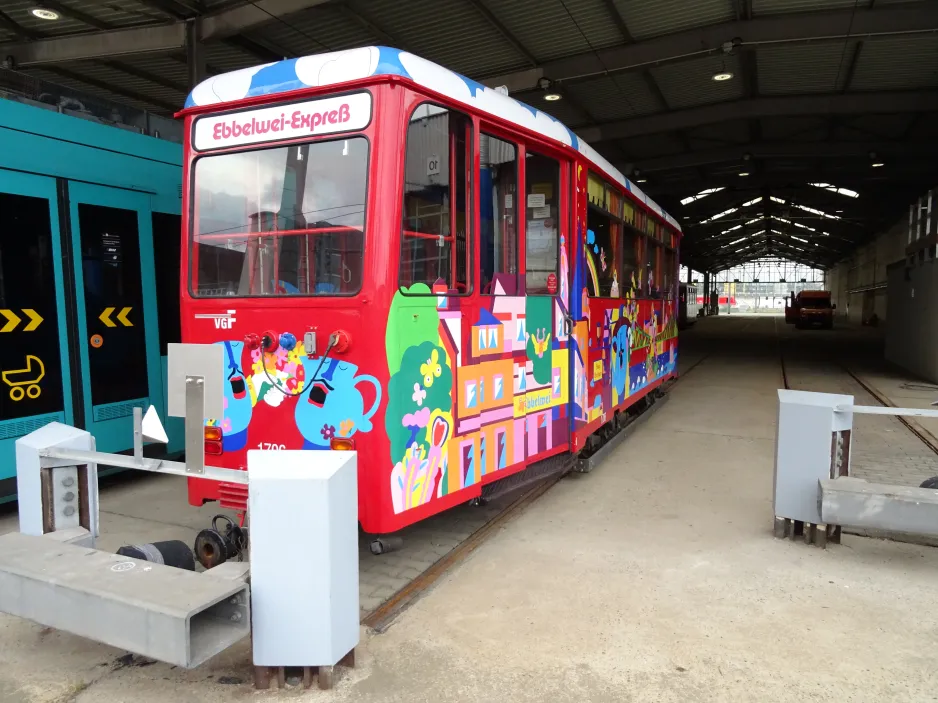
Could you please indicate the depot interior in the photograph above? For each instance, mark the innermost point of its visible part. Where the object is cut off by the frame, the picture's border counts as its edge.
(796, 142)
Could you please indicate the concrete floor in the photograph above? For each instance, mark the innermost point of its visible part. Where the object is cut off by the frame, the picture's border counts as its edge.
(655, 578)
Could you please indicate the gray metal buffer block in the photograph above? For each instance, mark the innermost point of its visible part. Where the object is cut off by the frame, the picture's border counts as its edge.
(172, 615)
(814, 494)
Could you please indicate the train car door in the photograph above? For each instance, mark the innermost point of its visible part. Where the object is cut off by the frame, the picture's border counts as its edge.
(34, 365)
(117, 332)
(547, 317)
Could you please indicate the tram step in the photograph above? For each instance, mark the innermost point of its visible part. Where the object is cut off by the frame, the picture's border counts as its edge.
(535, 473)
(233, 496)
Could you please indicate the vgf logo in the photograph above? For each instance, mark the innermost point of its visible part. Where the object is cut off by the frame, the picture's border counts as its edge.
(223, 321)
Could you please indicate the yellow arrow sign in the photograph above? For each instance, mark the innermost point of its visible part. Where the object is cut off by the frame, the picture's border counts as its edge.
(35, 319)
(122, 316)
(105, 317)
(12, 320)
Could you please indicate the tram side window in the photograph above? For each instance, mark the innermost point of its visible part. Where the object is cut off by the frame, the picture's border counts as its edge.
(434, 239)
(542, 178)
(667, 273)
(630, 252)
(498, 206)
(604, 254)
(281, 221)
(654, 268)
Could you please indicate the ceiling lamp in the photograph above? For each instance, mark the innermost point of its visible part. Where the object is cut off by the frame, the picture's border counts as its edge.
(550, 95)
(721, 76)
(743, 174)
(877, 164)
(44, 13)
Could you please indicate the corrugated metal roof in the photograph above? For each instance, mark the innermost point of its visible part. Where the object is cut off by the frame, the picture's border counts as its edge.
(321, 29)
(651, 145)
(690, 83)
(774, 7)
(570, 111)
(450, 32)
(545, 28)
(715, 135)
(650, 18)
(782, 128)
(898, 63)
(229, 58)
(126, 13)
(78, 86)
(615, 97)
(882, 126)
(124, 81)
(804, 68)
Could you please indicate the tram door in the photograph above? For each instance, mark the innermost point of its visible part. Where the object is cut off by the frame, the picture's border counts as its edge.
(34, 364)
(116, 331)
(546, 257)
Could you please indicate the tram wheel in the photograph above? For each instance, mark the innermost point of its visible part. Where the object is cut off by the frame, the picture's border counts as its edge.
(930, 482)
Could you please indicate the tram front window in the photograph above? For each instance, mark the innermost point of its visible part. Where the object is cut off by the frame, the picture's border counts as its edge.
(279, 222)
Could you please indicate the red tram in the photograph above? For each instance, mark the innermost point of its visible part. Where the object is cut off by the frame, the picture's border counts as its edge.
(401, 261)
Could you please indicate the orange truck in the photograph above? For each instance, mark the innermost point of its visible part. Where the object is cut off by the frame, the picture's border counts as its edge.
(810, 308)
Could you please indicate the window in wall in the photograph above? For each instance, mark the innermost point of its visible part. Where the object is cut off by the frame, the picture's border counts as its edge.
(667, 274)
(653, 268)
(498, 207)
(542, 234)
(279, 222)
(437, 196)
(603, 254)
(630, 265)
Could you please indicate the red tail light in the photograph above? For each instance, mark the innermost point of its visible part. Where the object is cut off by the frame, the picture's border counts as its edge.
(213, 441)
(342, 444)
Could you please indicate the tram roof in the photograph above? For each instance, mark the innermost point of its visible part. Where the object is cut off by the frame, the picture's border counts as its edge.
(354, 64)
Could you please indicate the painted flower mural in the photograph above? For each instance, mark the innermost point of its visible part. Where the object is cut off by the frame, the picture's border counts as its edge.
(418, 418)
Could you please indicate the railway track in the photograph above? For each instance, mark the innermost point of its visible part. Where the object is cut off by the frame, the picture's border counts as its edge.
(851, 382)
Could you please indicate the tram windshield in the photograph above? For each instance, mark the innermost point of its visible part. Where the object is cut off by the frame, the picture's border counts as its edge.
(280, 221)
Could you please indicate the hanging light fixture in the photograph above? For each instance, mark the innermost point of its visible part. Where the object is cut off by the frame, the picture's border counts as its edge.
(723, 74)
(550, 95)
(44, 13)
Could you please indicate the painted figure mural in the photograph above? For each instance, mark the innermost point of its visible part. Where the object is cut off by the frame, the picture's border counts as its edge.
(330, 405)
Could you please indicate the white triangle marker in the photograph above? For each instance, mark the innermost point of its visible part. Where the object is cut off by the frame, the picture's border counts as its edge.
(152, 428)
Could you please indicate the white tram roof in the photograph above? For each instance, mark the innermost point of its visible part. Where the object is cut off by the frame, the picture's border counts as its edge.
(354, 64)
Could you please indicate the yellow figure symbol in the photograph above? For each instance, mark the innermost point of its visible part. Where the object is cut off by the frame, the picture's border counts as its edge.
(25, 382)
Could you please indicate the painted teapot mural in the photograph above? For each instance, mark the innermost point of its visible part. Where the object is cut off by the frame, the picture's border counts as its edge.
(327, 395)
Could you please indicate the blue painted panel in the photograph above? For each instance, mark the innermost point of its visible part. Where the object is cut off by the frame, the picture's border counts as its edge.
(38, 145)
(45, 142)
(36, 186)
(113, 432)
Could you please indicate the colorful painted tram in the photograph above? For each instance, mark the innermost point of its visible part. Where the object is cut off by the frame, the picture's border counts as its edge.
(399, 260)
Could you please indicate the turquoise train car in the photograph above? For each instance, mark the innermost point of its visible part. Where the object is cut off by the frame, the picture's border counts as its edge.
(89, 277)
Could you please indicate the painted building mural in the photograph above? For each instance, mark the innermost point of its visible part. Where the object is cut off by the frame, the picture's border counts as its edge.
(473, 391)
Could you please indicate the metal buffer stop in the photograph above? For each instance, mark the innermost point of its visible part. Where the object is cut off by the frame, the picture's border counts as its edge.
(305, 610)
